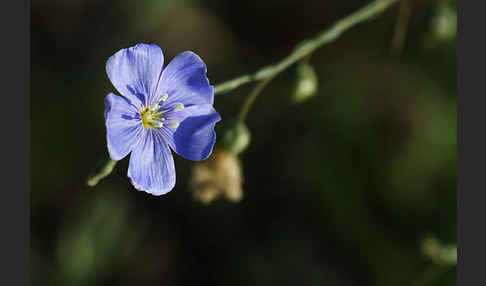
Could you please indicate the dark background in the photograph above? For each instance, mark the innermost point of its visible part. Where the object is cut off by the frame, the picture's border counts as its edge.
(339, 190)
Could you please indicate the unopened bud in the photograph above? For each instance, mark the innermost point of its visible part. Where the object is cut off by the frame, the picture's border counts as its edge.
(233, 136)
(206, 194)
(441, 254)
(219, 175)
(306, 83)
(444, 24)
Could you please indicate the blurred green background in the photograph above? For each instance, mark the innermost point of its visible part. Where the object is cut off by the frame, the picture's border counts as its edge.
(340, 189)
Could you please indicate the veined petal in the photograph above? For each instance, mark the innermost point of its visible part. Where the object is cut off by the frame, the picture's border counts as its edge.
(194, 137)
(123, 126)
(135, 71)
(184, 80)
(151, 167)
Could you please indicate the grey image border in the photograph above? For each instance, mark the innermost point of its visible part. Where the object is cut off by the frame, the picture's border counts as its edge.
(15, 202)
(471, 139)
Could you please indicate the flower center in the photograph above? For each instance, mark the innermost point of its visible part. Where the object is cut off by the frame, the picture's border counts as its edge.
(152, 115)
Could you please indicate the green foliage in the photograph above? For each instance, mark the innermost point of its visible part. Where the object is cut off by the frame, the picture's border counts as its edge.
(96, 236)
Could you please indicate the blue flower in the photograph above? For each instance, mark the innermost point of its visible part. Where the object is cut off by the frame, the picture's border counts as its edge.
(159, 107)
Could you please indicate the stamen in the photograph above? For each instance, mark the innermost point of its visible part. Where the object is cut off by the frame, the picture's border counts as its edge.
(178, 106)
(174, 124)
(154, 107)
(157, 114)
(152, 116)
(164, 97)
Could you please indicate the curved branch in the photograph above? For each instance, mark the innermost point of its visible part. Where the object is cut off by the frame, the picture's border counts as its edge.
(308, 46)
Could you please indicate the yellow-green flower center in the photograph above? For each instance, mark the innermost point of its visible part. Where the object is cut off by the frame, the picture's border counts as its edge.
(152, 117)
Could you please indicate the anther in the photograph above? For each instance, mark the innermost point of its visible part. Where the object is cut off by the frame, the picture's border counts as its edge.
(178, 106)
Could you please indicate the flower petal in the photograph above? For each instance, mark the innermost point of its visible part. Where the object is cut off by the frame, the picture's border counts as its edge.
(151, 167)
(135, 71)
(194, 138)
(123, 126)
(184, 80)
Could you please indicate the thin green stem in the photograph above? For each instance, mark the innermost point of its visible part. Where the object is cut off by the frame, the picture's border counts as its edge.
(102, 170)
(305, 60)
(404, 13)
(308, 46)
(251, 98)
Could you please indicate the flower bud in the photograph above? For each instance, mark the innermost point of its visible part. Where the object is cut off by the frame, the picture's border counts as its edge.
(233, 136)
(306, 83)
(439, 253)
(444, 24)
(219, 175)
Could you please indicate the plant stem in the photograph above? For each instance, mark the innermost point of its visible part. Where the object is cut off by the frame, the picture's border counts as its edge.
(305, 60)
(102, 170)
(404, 13)
(251, 98)
(308, 46)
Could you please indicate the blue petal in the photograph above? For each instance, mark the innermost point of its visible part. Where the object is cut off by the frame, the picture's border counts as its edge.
(184, 80)
(123, 126)
(135, 71)
(151, 167)
(194, 137)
